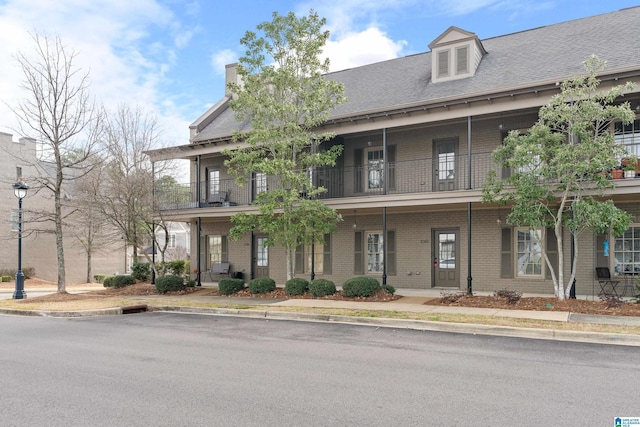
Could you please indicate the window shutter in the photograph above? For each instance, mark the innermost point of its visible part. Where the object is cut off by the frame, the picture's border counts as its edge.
(390, 256)
(443, 63)
(358, 263)
(327, 254)
(506, 268)
(552, 251)
(299, 259)
(204, 259)
(357, 170)
(391, 167)
(462, 63)
(224, 257)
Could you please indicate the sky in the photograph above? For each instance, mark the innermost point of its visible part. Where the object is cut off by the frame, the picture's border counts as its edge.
(168, 57)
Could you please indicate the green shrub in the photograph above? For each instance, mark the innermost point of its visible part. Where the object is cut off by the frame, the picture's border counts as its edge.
(360, 287)
(322, 287)
(176, 267)
(190, 283)
(230, 286)
(141, 271)
(389, 289)
(99, 277)
(187, 267)
(123, 280)
(6, 278)
(261, 285)
(108, 282)
(296, 286)
(169, 283)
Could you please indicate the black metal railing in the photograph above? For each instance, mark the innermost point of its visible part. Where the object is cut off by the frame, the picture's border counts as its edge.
(404, 177)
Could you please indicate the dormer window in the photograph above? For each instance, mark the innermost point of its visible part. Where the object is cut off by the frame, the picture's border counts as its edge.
(462, 60)
(443, 63)
(456, 54)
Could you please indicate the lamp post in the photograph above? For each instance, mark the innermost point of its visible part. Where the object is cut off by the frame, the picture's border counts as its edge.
(20, 191)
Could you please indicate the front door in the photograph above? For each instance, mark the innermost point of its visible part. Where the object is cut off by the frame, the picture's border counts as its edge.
(446, 265)
(444, 164)
(260, 257)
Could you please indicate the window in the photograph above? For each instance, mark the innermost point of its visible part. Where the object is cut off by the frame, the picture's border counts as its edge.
(629, 136)
(214, 182)
(375, 252)
(261, 182)
(217, 249)
(529, 252)
(462, 60)
(321, 255)
(626, 252)
(172, 241)
(374, 168)
(369, 252)
(443, 63)
(447, 251)
(18, 173)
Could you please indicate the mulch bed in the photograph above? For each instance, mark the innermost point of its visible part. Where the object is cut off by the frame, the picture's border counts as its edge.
(543, 304)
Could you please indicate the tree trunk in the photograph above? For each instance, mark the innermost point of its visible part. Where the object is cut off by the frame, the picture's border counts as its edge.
(89, 262)
(58, 226)
(291, 262)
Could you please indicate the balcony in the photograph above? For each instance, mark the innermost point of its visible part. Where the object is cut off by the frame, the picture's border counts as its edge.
(404, 177)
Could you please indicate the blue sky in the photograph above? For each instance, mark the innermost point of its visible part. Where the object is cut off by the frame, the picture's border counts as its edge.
(168, 56)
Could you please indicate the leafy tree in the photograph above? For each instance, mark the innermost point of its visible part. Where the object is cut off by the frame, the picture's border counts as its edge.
(60, 114)
(285, 96)
(557, 167)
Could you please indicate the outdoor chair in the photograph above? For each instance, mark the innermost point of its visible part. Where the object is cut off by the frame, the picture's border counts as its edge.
(607, 284)
(220, 269)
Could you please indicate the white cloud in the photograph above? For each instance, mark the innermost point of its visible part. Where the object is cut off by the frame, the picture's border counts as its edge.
(126, 46)
(222, 58)
(360, 48)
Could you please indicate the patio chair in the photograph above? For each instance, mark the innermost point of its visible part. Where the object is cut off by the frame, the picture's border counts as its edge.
(607, 284)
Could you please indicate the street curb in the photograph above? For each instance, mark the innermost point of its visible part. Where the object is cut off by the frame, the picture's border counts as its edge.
(423, 325)
(79, 313)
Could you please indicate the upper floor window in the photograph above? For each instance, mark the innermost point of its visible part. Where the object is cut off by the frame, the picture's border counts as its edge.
(443, 63)
(374, 162)
(629, 136)
(261, 182)
(214, 181)
(462, 60)
(18, 172)
(172, 241)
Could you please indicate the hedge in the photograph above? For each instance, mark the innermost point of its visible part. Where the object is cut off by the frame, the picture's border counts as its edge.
(123, 280)
(230, 286)
(296, 286)
(360, 287)
(169, 283)
(322, 287)
(261, 285)
(141, 271)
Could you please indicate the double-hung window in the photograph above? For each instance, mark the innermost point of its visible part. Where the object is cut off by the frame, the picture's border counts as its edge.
(529, 256)
(374, 168)
(629, 136)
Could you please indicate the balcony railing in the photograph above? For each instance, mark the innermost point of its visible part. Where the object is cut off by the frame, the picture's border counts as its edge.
(406, 177)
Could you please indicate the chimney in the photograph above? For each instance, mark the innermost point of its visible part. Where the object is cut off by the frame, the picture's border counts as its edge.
(231, 76)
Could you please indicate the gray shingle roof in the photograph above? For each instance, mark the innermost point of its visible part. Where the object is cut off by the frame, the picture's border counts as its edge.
(525, 58)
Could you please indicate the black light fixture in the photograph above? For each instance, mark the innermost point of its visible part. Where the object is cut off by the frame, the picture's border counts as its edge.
(20, 191)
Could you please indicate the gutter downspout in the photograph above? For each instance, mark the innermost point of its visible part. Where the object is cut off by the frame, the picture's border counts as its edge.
(469, 187)
(385, 179)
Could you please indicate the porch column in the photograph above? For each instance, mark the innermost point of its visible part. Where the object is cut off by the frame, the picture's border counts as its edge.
(198, 224)
(469, 187)
(153, 224)
(385, 177)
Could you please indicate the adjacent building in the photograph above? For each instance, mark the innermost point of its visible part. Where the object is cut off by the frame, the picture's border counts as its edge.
(19, 160)
(418, 133)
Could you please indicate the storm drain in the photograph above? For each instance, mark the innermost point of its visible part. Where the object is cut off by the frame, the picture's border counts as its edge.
(134, 309)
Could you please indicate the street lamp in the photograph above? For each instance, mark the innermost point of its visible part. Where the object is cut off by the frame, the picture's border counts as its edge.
(20, 191)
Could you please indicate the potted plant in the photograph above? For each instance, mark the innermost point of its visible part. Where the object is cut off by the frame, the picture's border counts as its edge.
(617, 173)
(630, 171)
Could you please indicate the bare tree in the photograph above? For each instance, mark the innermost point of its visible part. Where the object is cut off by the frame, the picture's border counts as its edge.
(127, 200)
(60, 114)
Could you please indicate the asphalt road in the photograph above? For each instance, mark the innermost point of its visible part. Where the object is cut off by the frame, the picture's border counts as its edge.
(161, 369)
